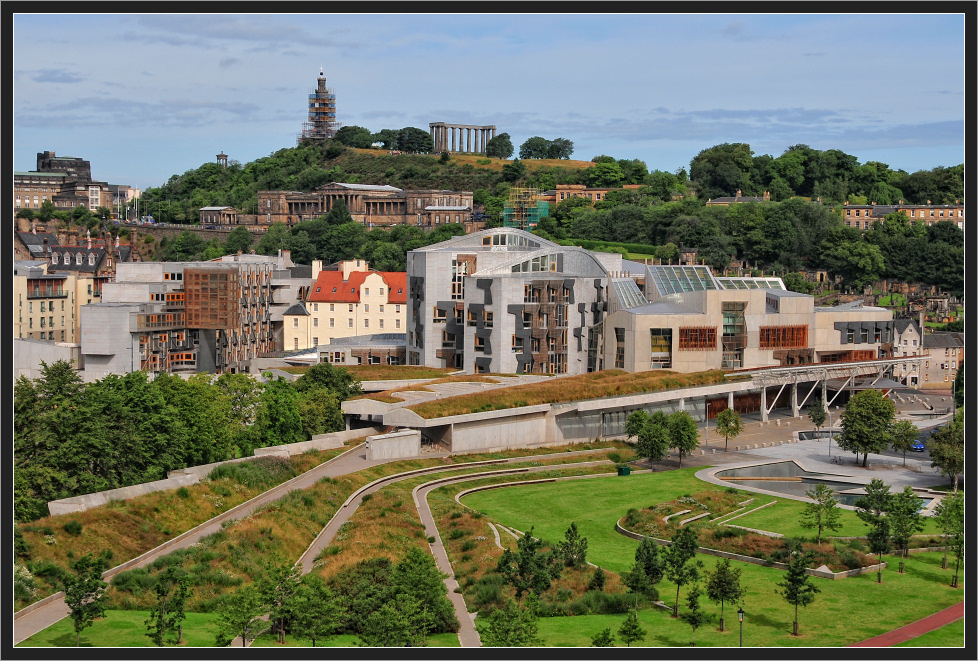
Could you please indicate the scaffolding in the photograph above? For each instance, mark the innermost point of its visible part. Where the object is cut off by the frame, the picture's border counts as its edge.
(322, 123)
(524, 209)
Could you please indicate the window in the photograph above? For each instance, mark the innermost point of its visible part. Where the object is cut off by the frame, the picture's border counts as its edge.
(315, 307)
(332, 307)
(381, 323)
(43, 310)
(381, 291)
(397, 323)
(331, 324)
(619, 348)
(351, 307)
(438, 316)
(295, 343)
(315, 322)
(295, 322)
(397, 309)
(366, 307)
(366, 291)
(697, 338)
(350, 322)
(381, 309)
(915, 342)
(366, 323)
(783, 337)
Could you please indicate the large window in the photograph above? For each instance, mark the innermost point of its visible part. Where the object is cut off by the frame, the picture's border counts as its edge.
(697, 338)
(661, 348)
(620, 348)
(783, 337)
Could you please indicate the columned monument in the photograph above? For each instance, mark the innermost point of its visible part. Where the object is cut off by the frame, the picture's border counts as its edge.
(461, 137)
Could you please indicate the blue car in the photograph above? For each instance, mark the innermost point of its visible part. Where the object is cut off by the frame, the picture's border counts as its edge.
(917, 446)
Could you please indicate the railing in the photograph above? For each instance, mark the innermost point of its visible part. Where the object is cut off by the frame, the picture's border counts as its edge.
(46, 292)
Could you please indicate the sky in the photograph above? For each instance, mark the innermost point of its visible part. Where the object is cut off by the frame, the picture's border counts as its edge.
(147, 96)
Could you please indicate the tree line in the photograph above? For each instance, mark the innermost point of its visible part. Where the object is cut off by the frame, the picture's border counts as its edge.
(73, 438)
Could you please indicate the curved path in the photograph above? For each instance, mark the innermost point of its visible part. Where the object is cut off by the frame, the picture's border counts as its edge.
(914, 629)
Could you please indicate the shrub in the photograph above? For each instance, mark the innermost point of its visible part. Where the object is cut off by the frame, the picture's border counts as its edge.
(455, 515)
(47, 568)
(564, 594)
(367, 497)
(431, 539)
(135, 581)
(468, 545)
(24, 589)
(457, 533)
(72, 527)
(614, 456)
(183, 492)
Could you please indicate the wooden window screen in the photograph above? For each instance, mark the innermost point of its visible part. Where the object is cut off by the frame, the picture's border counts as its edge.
(697, 338)
(783, 337)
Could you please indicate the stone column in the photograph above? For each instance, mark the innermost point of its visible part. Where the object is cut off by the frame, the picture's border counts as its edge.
(468, 139)
(454, 132)
(794, 399)
(764, 404)
(730, 400)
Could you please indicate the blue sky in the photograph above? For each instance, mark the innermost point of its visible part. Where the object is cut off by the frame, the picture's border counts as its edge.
(146, 96)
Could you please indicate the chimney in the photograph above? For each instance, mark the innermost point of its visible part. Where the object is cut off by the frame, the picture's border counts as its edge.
(88, 236)
(738, 192)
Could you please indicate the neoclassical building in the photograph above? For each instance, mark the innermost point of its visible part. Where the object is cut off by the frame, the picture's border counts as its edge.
(371, 205)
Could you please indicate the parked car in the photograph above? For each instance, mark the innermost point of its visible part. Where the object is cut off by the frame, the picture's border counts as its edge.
(917, 446)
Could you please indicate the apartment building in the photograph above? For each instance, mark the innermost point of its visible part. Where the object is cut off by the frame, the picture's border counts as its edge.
(347, 299)
(908, 341)
(945, 351)
(47, 304)
(861, 216)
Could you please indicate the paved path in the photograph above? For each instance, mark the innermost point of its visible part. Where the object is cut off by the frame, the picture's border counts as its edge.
(914, 629)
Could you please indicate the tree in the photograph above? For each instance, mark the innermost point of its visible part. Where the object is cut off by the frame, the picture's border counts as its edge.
(905, 518)
(821, 514)
(597, 580)
(679, 567)
(528, 569)
(514, 171)
(399, 622)
(630, 630)
(872, 509)
(574, 547)
(239, 239)
(816, 413)
(167, 614)
(694, 617)
(514, 625)
(723, 585)
(354, 136)
(315, 611)
(648, 570)
(683, 435)
(902, 436)
(729, 425)
(959, 377)
(85, 593)
(535, 147)
(796, 587)
(946, 447)
(278, 590)
(949, 515)
(500, 146)
(603, 639)
(418, 577)
(560, 148)
(653, 435)
(241, 613)
(414, 140)
(866, 423)
(277, 421)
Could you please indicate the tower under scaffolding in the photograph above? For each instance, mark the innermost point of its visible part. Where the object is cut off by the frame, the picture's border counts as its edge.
(524, 209)
(322, 123)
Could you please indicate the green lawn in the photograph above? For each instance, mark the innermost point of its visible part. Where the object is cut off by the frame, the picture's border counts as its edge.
(950, 635)
(595, 505)
(123, 629)
(348, 640)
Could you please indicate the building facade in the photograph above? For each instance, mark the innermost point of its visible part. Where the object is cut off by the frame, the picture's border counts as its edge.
(372, 206)
(65, 180)
(347, 299)
(861, 216)
(47, 304)
(945, 351)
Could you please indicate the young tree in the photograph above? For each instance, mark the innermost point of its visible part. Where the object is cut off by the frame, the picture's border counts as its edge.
(866, 423)
(597, 580)
(574, 547)
(956, 535)
(630, 630)
(684, 436)
(85, 593)
(949, 515)
(167, 613)
(679, 567)
(528, 569)
(399, 622)
(816, 413)
(946, 447)
(418, 576)
(902, 436)
(729, 425)
(514, 625)
(797, 587)
(872, 509)
(723, 585)
(315, 611)
(648, 570)
(653, 438)
(241, 613)
(823, 513)
(905, 518)
(603, 639)
(694, 617)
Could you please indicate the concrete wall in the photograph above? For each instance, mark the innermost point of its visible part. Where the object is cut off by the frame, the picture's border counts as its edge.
(396, 445)
(518, 431)
(182, 477)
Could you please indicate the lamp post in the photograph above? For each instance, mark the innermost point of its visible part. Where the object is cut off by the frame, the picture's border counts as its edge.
(740, 616)
(707, 423)
(830, 430)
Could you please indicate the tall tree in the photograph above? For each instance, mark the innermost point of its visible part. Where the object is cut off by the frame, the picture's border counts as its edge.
(946, 447)
(949, 516)
(694, 617)
(866, 423)
(167, 614)
(816, 413)
(648, 570)
(529, 569)
(680, 567)
(278, 590)
(85, 593)
(574, 547)
(418, 576)
(902, 436)
(905, 518)
(729, 425)
(315, 611)
(683, 434)
(326, 375)
(723, 585)
(872, 509)
(500, 146)
(822, 514)
(796, 587)
(652, 432)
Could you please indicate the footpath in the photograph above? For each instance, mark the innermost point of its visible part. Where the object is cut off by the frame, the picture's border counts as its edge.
(914, 629)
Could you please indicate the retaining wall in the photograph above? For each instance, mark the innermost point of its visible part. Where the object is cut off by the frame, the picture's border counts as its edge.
(396, 445)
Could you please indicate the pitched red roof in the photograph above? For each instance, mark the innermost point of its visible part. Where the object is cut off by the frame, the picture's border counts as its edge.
(330, 287)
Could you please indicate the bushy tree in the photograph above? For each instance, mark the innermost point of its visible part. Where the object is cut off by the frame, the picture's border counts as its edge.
(816, 413)
(603, 639)
(630, 630)
(796, 587)
(872, 509)
(723, 585)
(729, 425)
(946, 447)
(529, 569)
(500, 146)
(902, 436)
(315, 610)
(574, 547)
(680, 567)
(949, 516)
(514, 625)
(241, 613)
(167, 614)
(648, 570)
(597, 580)
(85, 593)
(866, 423)
(694, 616)
(905, 518)
(683, 434)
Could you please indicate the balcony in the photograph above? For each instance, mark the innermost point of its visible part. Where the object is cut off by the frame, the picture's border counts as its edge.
(46, 292)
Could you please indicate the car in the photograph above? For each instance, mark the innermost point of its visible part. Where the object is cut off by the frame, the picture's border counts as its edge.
(917, 446)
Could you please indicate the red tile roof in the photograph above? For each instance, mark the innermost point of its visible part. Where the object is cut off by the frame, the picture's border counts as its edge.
(330, 287)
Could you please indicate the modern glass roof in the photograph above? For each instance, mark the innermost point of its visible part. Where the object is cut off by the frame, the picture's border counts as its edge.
(629, 295)
(751, 283)
(679, 279)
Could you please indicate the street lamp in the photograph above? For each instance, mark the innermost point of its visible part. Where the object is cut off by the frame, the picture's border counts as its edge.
(707, 423)
(830, 430)
(740, 616)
